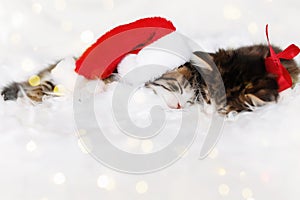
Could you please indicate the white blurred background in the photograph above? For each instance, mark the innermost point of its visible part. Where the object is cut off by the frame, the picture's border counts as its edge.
(256, 159)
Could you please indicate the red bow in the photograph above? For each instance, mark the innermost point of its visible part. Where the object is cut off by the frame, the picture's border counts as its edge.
(274, 66)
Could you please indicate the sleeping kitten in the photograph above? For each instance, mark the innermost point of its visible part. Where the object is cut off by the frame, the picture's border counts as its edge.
(247, 84)
(246, 81)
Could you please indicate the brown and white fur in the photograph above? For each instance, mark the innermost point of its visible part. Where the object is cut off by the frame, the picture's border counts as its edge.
(247, 84)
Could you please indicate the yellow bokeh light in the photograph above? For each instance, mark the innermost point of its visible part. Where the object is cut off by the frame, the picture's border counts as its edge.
(247, 193)
(59, 90)
(224, 190)
(34, 80)
(111, 185)
(141, 187)
(222, 172)
(232, 12)
(243, 175)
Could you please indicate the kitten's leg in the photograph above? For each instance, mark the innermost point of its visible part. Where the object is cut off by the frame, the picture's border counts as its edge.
(45, 88)
(256, 93)
(35, 93)
(11, 92)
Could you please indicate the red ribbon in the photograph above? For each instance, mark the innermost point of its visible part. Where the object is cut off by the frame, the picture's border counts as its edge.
(274, 66)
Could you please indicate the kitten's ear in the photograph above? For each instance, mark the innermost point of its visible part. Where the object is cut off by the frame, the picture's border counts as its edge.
(223, 56)
(225, 53)
(202, 60)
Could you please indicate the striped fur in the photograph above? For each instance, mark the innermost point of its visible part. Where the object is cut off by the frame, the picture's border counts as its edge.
(247, 84)
(35, 93)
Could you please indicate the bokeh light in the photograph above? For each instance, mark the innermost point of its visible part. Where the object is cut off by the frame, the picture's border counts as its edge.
(59, 89)
(247, 193)
(243, 175)
(222, 172)
(34, 80)
(103, 181)
(106, 182)
(232, 12)
(224, 190)
(31, 146)
(141, 187)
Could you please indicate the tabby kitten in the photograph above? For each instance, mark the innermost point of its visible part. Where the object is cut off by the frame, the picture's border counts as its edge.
(35, 93)
(247, 84)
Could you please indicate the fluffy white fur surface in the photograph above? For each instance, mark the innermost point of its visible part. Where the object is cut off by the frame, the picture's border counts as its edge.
(257, 156)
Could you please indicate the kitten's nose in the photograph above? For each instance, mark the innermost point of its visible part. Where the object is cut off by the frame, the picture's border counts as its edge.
(174, 106)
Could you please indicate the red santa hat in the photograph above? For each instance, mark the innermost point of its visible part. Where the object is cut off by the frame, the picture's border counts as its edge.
(102, 58)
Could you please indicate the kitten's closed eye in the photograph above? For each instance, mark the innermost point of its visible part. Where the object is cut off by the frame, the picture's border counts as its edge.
(174, 88)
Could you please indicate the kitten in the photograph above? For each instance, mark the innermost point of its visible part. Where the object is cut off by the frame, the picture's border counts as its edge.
(247, 84)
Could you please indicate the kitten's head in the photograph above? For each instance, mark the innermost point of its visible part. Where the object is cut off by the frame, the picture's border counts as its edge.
(174, 88)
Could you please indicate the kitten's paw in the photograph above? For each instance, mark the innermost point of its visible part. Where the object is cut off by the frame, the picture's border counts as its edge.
(10, 92)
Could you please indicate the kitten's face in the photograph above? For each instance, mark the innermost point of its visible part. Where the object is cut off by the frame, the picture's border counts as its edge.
(174, 89)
